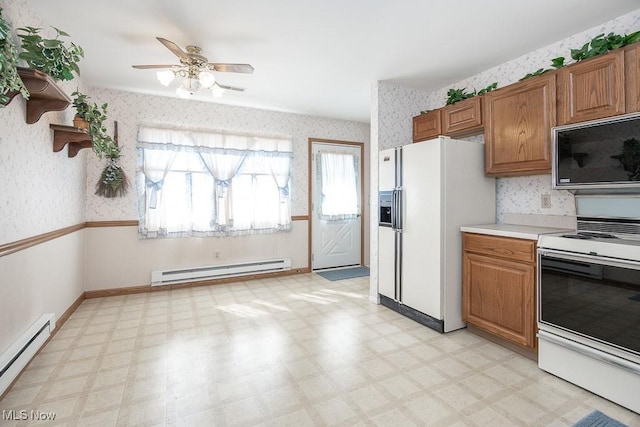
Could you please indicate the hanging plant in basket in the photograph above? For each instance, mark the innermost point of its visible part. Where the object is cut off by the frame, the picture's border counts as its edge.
(113, 181)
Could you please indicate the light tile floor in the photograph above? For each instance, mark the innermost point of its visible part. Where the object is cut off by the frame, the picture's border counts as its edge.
(298, 350)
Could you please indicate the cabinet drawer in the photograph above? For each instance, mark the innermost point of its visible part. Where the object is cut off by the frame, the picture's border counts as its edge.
(503, 247)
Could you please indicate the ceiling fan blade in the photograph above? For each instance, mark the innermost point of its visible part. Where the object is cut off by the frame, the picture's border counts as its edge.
(232, 68)
(144, 67)
(173, 48)
(238, 89)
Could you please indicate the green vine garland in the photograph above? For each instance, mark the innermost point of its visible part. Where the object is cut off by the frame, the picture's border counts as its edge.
(598, 45)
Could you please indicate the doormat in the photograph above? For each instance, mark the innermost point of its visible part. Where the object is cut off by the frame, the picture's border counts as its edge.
(598, 419)
(346, 273)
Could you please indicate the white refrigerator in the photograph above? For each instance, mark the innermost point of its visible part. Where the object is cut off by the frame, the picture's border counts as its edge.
(427, 190)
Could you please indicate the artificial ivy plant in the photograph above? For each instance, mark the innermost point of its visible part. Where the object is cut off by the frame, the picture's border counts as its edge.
(10, 81)
(51, 56)
(598, 45)
(113, 181)
(457, 95)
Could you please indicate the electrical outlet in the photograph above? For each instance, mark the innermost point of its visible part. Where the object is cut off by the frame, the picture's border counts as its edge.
(545, 201)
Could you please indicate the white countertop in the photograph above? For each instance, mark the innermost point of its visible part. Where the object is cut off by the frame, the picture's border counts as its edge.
(511, 230)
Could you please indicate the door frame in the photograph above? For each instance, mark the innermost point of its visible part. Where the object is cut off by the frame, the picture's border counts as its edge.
(310, 164)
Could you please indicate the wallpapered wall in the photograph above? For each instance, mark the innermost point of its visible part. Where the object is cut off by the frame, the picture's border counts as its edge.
(130, 110)
(40, 190)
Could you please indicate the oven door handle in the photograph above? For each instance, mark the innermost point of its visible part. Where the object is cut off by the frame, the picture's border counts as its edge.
(595, 259)
(589, 352)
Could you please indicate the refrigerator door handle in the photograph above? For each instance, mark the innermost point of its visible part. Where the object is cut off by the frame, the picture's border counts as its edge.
(393, 210)
(398, 209)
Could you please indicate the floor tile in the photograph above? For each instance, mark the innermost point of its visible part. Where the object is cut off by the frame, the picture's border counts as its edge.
(290, 351)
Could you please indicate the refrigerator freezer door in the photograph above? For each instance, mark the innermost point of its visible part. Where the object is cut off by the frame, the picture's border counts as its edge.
(386, 262)
(386, 170)
(421, 233)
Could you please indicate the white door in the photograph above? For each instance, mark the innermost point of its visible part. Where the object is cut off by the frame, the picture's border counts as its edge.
(336, 205)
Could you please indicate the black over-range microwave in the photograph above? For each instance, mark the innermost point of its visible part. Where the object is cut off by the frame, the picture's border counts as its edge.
(597, 154)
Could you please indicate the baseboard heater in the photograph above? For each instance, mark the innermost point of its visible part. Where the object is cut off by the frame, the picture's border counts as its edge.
(168, 277)
(20, 353)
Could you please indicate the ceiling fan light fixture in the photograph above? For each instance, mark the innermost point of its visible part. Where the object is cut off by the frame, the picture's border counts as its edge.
(217, 91)
(191, 85)
(207, 79)
(165, 77)
(183, 93)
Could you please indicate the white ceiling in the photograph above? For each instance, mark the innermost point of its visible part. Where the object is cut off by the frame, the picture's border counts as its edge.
(317, 57)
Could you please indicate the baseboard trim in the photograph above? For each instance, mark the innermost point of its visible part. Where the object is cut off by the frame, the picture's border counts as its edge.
(148, 288)
(65, 316)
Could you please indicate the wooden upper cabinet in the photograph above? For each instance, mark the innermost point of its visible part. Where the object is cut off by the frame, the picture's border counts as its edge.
(426, 126)
(593, 89)
(463, 118)
(632, 78)
(517, 129)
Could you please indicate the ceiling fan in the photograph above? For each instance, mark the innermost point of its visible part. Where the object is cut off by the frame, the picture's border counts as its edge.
(195, 70)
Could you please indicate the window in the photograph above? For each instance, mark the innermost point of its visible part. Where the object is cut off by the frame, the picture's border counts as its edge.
(337, 178)
(212, 184)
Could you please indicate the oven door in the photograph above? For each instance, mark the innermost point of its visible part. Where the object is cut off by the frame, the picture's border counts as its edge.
(590, 299)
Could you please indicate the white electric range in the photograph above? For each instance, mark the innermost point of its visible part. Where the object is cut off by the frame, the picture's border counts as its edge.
(589, 302)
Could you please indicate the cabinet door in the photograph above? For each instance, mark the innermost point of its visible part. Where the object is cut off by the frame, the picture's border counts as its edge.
(632, 78)
(593, 89)
(463, 118)
(426, 126)
(499, 297)
(518, 124)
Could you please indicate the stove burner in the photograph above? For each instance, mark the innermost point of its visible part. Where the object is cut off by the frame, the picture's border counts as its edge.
(598, 235)
(584, 235)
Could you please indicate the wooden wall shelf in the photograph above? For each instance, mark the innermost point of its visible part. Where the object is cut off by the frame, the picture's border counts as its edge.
(76, 138)
(44, 94)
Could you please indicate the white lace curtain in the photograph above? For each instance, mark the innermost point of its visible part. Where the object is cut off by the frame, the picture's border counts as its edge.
(184, 210)
(338, 185)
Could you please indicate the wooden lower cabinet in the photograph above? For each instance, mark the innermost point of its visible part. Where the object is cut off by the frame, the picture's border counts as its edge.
(498, 291)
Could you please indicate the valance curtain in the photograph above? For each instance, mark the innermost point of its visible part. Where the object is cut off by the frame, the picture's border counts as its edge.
(338, 186)
(223, 166)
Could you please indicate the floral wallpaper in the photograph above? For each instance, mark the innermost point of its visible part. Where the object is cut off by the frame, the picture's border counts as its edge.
(131, 109)
(40, 190)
